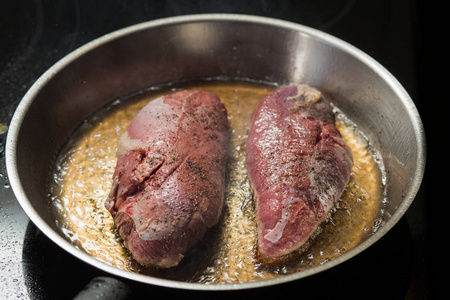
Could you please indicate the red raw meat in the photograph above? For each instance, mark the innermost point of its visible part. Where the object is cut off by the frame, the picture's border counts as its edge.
(169, 182)
(298, 166)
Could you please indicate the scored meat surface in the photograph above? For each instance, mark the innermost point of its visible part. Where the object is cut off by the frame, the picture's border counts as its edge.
(298, 166)
(169, 181)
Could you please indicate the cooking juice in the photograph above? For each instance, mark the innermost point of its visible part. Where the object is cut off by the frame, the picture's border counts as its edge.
(82, 178)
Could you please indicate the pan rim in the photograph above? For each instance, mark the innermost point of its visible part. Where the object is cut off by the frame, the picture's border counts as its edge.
(27, 100)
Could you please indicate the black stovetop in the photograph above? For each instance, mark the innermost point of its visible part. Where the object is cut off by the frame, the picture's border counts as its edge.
(36, 34)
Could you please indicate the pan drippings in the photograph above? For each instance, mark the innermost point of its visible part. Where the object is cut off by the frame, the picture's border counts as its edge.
(82, 179)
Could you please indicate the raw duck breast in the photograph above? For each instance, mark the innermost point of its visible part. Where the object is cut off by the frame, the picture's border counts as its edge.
(169, 181)
(298, 166)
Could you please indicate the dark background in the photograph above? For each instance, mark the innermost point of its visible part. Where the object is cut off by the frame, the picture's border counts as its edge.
(36, 34)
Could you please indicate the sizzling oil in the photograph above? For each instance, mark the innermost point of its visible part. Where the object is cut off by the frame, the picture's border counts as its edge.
(83, 177)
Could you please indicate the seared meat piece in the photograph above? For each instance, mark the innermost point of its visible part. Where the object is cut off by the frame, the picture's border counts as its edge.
(169, 182)
(298, 166)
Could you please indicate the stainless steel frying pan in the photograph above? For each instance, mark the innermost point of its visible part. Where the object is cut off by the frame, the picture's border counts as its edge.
(205, 46)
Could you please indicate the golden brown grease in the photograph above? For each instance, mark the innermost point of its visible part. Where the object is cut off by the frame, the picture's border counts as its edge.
(83, 177)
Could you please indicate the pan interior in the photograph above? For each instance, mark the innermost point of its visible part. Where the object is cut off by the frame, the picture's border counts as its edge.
(228, 254)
